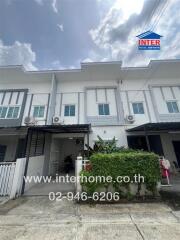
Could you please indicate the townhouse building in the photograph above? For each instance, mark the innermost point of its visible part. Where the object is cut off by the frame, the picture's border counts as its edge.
(55, 113)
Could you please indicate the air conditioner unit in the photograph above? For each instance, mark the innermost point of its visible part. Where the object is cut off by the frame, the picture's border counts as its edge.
(57, 120)
(130, 118)
(30, 120)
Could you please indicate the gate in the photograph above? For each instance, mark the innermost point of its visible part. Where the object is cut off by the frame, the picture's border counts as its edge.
(7, 170)
(11, 177)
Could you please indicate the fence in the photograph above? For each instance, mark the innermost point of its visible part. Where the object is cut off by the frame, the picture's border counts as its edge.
(11, 177)
(6, 177)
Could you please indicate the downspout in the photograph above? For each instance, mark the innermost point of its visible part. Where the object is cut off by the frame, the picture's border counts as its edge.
(52, 100)
(119, 104)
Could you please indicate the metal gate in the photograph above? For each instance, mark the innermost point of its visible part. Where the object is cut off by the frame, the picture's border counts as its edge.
(7, 170)
(11, 178)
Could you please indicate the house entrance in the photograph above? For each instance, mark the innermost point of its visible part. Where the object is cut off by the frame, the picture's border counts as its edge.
(176, 145)
(140, 142)
(64, 152)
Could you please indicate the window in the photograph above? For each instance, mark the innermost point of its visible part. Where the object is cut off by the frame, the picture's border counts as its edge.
(103, 109)
(172, 107)
(10, 112)
(39, 111)
(138, 108)
(69, 110)
(13, 112)
(3, 112)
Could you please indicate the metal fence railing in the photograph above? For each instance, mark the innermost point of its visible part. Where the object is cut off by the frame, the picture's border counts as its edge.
(11, 177)
(7, 170)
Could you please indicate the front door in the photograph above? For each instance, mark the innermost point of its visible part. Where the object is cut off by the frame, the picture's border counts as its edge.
(176, 145)
(155, 144)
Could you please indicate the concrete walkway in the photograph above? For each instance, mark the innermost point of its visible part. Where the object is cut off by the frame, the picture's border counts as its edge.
(38, 218)
(43, 189)
(174, 184)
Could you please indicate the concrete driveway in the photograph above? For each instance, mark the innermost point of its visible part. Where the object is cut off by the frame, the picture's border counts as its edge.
(38, 218)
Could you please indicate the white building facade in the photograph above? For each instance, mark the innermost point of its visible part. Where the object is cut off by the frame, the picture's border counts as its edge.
(63, 110)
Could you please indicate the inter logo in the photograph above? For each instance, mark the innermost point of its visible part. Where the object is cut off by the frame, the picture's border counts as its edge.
(149, 41)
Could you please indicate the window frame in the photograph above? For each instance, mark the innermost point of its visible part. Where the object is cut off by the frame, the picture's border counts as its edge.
(7, 111)
(69, 110)
(39, 106)
(104, 111)
(172, 101)
(138, 113)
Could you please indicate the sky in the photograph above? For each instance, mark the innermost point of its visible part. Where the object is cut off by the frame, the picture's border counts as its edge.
(60, 34)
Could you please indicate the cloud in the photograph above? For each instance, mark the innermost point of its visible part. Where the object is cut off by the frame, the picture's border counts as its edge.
(60, 27)
(53, 4)
(115, 36)
(40, 2)
(119, 14)
(17, 54)
(56, 65)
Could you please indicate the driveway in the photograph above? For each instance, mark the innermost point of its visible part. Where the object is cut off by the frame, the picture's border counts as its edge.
(38, 218)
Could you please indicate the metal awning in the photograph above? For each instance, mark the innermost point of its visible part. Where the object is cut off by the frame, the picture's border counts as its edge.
(22, 130)
(71, 128)
(161, 126)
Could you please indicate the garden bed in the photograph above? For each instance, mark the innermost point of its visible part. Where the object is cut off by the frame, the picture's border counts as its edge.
(124, 164)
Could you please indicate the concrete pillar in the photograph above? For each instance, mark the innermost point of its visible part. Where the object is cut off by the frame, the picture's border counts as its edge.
(78, 169)
(18, 178)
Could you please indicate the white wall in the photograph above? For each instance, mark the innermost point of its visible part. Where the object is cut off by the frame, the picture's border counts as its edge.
(70, 99)
(72, 85)
(34, 87)
(40, 99)
(35, 168)
(166, 93)
(96, 96)
(108, 133)
(135, 97)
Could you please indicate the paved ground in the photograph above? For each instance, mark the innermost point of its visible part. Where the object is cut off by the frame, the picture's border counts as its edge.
(174, 184)
(37, 218)
(43, 189)
(3, 200)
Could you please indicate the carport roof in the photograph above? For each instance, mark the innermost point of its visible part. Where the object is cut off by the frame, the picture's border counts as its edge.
(161, 126)
(72, 128)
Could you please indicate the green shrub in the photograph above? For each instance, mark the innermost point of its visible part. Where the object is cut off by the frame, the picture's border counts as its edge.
(125, 163)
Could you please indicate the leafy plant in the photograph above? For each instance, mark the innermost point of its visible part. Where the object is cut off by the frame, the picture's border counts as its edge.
(104, 146)
(124, 163)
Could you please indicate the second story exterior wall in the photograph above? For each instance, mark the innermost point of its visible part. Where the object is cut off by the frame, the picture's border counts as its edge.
(12, 104)
(166, 100)
(24, 90)
(101, 94)
(97, 98)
